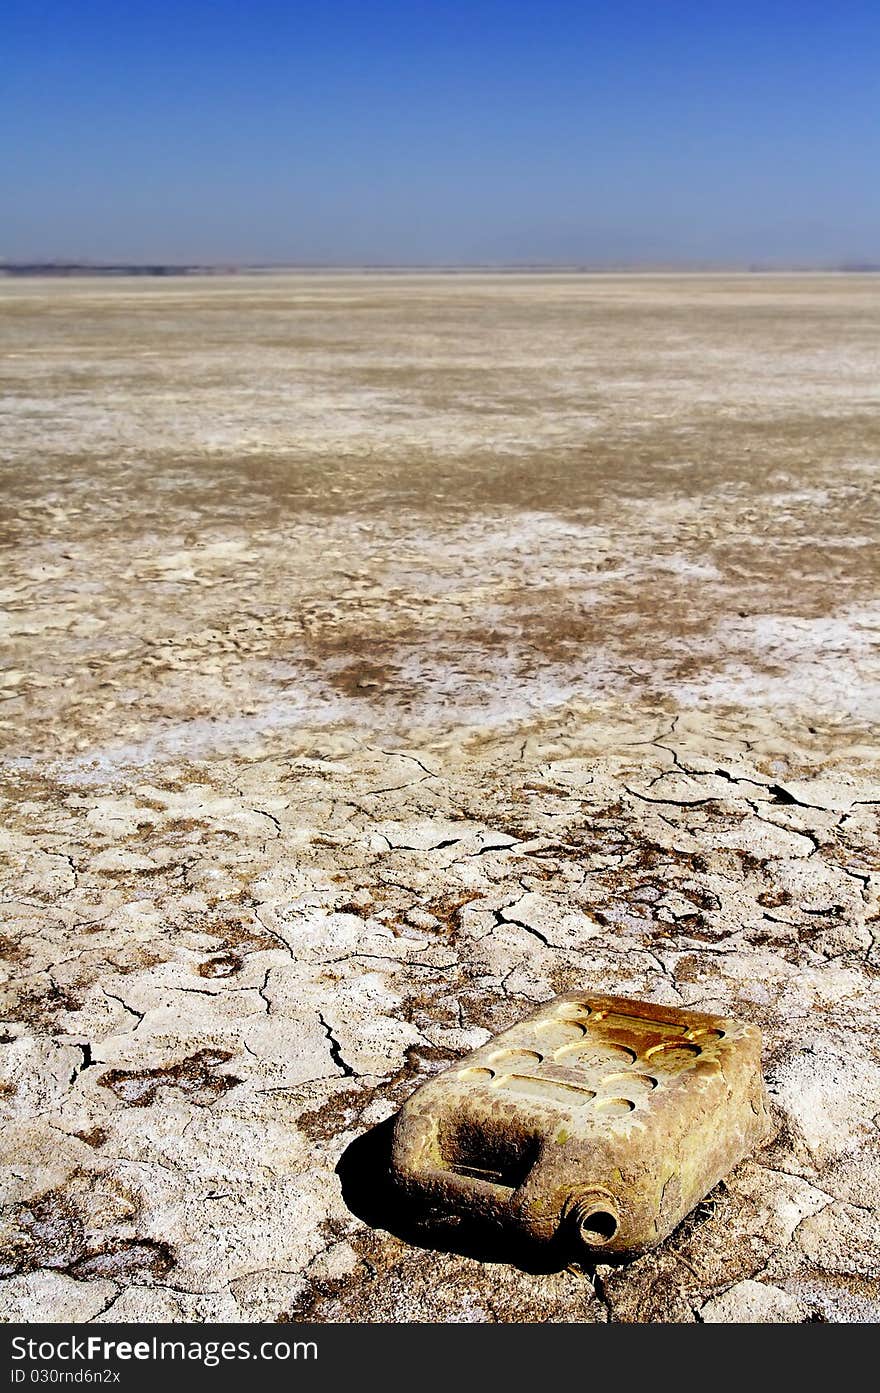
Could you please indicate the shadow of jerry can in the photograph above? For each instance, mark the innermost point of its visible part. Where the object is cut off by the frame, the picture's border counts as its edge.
(598, 1122)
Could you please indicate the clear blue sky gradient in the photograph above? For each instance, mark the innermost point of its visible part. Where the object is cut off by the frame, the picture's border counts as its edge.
(497, 131)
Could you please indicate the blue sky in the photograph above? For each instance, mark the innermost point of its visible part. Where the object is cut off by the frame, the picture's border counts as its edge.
(444, 133)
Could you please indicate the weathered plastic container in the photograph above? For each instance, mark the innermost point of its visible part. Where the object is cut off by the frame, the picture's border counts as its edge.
(598, 1122)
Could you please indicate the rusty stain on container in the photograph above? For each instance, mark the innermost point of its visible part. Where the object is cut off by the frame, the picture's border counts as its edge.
(599, 1122)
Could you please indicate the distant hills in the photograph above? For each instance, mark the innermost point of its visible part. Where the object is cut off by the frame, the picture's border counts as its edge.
(84, 268)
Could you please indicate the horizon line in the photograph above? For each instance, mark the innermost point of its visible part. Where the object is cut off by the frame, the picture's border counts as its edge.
(71, 266)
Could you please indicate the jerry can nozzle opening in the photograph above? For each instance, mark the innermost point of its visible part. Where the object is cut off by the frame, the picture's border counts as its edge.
(591, 1217)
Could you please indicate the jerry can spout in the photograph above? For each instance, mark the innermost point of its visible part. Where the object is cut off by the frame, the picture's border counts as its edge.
(591, 1217)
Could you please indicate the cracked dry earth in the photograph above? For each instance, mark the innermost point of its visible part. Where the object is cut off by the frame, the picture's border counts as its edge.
(385, 655)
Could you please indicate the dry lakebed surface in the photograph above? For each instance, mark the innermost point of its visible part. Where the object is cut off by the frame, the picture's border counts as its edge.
(383, 655)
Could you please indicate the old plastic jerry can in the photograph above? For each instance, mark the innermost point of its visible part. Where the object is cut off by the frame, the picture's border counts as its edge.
(599, 1121)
